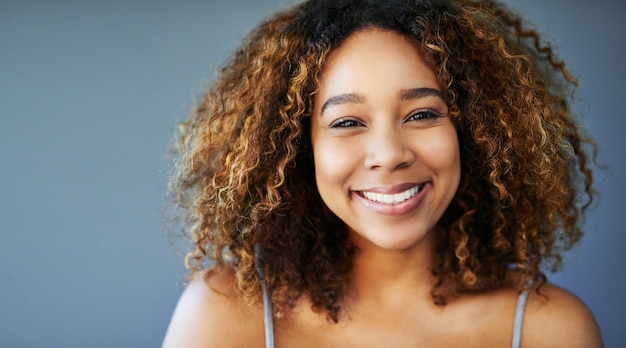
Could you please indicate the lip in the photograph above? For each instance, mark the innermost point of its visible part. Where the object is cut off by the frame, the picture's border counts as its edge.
(401, 208)
(393, 189)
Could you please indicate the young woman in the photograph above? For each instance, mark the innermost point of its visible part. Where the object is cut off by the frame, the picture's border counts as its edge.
(383, 173)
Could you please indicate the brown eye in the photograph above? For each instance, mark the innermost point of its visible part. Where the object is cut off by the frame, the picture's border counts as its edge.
(423, 115)
(346, 123)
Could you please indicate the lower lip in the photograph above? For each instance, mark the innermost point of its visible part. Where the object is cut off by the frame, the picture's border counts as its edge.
(402, 208)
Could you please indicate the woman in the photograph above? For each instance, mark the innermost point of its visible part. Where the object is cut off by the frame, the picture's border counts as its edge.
(383, 173)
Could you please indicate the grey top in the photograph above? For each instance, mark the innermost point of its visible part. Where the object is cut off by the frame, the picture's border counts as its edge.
(519, 319)
(268, 319)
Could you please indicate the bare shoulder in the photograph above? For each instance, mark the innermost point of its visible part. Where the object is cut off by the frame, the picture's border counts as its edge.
(210, 314)
(554, 317)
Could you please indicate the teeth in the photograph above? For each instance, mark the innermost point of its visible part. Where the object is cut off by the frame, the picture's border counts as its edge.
(392, 199)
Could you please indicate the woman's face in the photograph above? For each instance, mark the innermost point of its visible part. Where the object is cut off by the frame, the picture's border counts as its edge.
(386, 153)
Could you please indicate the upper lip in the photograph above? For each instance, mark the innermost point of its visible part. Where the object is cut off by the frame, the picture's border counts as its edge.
(392, 189)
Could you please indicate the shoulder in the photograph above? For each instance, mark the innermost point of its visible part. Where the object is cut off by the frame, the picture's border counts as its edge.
(210, 313)
(555, 317)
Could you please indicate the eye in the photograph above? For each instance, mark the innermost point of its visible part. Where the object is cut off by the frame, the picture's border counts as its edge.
(424, 115)
(346, 123)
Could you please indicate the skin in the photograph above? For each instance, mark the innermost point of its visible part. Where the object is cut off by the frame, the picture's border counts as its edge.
(380, 147)
(380, 126)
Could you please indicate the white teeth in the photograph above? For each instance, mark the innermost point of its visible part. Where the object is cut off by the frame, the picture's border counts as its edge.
(395, 198)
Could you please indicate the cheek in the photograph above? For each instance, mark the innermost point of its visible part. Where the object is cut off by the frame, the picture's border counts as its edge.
(444, 154)
(451, 165)
(333, 166)
(450, 155)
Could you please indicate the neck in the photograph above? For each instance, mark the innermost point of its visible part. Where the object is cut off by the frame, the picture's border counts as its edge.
(392, 275)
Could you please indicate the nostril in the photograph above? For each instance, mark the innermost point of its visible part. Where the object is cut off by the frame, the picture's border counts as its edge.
(389, 155)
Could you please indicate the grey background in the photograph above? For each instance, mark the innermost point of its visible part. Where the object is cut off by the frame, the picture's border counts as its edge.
(90, 92)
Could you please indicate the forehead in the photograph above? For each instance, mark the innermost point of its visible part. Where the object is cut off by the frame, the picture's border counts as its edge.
(369, 36)
(377, 58)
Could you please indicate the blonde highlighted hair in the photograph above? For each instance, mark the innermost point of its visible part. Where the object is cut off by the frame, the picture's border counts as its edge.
(244, 174)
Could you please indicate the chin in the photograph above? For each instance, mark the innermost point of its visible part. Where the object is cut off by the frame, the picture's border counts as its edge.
(394, 240)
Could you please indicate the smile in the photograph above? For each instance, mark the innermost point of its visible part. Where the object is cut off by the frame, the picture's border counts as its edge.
(392, 198)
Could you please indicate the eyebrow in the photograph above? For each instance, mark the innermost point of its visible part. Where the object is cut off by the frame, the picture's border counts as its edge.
(405, 94)
(416, 93)
(347, 98)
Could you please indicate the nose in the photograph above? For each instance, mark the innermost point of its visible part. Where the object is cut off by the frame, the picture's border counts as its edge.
(388, 150)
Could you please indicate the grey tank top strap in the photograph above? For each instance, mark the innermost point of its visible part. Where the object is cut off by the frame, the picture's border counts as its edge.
(519, 319)
(268, 317)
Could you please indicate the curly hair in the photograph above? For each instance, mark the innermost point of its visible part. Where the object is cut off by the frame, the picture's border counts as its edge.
(244, 174)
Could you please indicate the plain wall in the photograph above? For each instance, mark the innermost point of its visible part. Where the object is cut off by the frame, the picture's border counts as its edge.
(90, 94)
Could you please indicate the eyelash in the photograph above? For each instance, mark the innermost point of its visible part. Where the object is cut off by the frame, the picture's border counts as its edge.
(423, 115)
(416, 116)
(345, 123)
